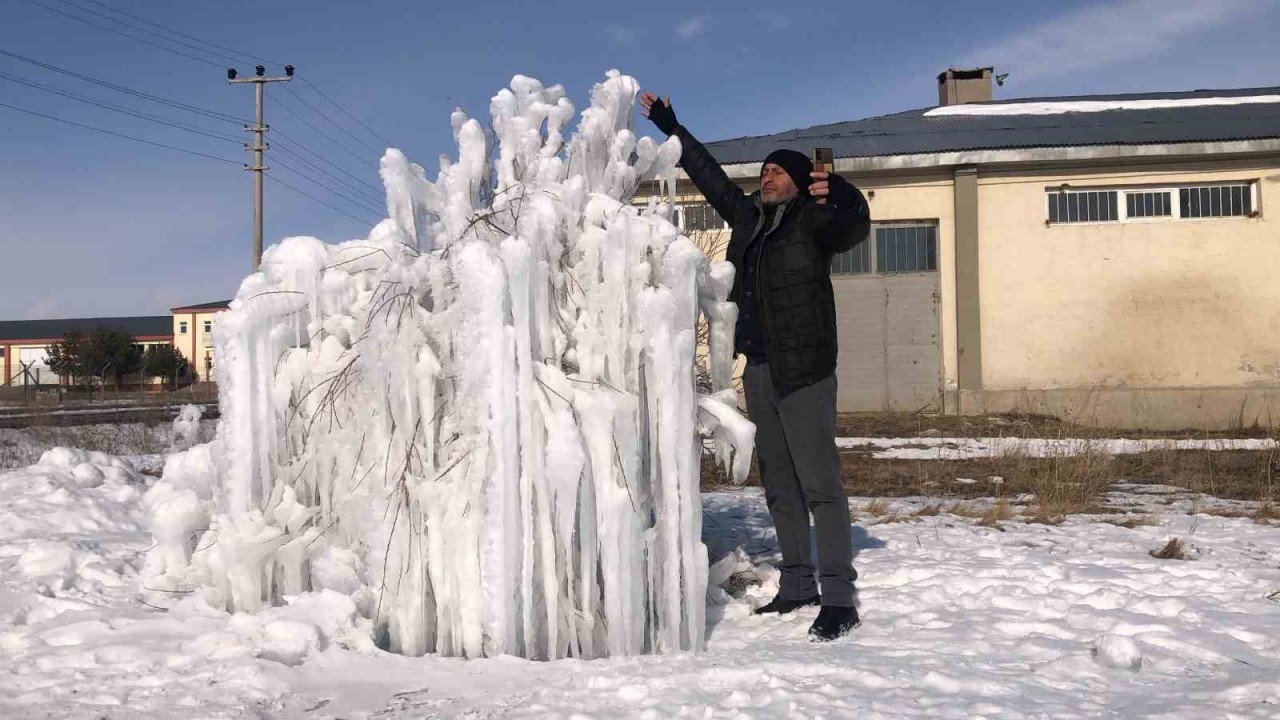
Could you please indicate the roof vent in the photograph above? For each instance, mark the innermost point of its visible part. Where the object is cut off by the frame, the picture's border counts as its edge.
(956, 86)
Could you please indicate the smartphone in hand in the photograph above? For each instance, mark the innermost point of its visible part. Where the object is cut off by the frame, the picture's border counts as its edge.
(823, 160)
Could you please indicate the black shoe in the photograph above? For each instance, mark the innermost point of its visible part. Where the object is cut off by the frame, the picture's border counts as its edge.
(833, 622)
(783, 606)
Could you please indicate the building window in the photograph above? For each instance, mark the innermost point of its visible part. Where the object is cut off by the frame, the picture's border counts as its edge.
(1216, 201)
(893, 248)
(208, 326)
(1077, 206)
(182, 327)
(699, 216)
(907, 249)
(1197, 201)
(856, 261)
(1148, 204)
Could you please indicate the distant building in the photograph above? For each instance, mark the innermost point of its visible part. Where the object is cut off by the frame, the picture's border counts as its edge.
(24, 344)
(192, 333)
(1108, 258)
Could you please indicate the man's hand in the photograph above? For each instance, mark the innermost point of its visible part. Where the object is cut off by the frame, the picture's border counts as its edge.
(820, 188)
(659, 112)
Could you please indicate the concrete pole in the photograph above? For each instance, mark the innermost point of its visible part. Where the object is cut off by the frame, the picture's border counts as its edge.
(259, 147)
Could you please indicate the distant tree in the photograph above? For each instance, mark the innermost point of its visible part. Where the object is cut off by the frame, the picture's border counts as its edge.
(106, 352)
(166, 362)
(113, 352)
(69, 356)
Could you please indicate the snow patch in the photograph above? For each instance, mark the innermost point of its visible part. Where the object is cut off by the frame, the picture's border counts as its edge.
(1092, 106)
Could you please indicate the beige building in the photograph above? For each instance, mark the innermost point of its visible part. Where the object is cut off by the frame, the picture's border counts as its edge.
(1108, 259)
(193, 334)
(24, 344)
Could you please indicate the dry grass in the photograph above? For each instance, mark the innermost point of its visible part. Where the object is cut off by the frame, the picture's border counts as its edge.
(965, 509)
(1071, 484)
(996, 514)
(1133, 521)
(880, 424)
(1172, 550)
(877, 507)
(1055, 487)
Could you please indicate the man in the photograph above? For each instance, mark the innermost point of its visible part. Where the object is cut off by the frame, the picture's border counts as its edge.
(781, 247)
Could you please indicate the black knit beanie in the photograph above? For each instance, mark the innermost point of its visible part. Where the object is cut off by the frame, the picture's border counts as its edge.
(797, 166)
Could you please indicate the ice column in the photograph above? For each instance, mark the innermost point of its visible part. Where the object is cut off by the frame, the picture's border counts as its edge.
(481, 421)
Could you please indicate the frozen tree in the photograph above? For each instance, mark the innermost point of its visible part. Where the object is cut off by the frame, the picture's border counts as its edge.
(481, 421)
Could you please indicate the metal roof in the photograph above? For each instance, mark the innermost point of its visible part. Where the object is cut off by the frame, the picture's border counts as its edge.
(219, 305)
(147, 326)
(912, 132)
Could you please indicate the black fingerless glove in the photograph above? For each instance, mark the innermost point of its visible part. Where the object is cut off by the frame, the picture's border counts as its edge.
(663, 117)
(841, 192)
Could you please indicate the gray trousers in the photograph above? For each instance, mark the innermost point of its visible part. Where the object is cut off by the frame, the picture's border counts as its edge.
(800, 468)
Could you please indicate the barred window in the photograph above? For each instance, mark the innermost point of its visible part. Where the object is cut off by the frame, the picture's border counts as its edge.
(1216, 201)
(699, 216)
(907, 249)
(1219, 200)
(1072, 206)
(895, 248)
(1148, 204)
(855, 261)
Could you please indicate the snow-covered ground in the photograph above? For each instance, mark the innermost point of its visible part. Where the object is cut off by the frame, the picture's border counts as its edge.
(1027, 621)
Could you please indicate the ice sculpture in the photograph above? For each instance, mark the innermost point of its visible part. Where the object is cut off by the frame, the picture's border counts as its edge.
(481, 422)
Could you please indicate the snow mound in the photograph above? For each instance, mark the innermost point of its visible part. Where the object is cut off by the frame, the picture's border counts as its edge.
(1118, 651)
(480, 423)
(186, 427)
(49, 510)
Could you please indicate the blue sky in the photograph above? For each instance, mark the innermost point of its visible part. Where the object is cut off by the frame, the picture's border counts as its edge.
(93, 225)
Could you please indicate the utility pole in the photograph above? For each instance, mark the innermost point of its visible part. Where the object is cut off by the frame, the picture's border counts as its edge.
(259, 129)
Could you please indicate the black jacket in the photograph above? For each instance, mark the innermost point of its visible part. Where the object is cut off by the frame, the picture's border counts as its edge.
(793, 278)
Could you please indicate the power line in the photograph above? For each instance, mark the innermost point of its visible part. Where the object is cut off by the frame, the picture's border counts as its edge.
(204, 51)
(281, 136)
(313, 197)
(317, 111)
(233, 51)
(135, 38)
(116, 31)
(120, 88)
(322, 133)
(120, 135)
(119, 109)
(353, 201)
(152, 33)
(375, 133)
(346, 184)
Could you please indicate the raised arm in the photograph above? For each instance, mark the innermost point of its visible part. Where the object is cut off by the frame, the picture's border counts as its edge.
(724, 194)
(841, 217)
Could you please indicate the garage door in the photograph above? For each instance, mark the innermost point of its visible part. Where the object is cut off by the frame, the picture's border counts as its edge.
(887, 306)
